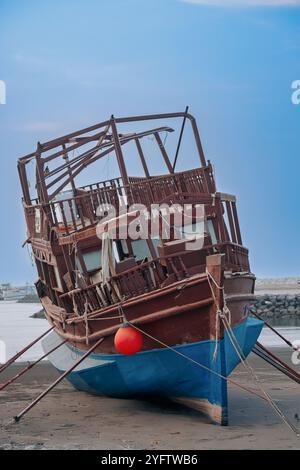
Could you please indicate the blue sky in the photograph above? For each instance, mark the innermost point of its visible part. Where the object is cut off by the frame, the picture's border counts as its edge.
(68, 64)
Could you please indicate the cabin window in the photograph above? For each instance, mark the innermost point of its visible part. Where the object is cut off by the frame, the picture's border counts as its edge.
(198, 229)
(156, 242)
(211, 231)
(122, 249)
(140, 249)
(192, 230)
(92, 261)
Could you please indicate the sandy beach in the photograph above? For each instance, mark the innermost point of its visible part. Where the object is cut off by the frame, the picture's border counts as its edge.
(68, 419)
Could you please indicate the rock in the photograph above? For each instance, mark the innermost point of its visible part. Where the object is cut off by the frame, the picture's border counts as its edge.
(39, 314)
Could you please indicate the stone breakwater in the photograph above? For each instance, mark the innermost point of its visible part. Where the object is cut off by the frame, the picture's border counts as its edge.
(282, 309)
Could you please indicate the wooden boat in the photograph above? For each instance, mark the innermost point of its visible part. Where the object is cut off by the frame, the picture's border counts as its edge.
(91, 283)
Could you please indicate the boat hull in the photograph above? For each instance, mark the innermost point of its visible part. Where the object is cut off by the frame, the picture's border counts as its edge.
(165, 372)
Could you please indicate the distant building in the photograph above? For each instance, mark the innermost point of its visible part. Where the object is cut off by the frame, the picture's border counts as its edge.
(9, 292)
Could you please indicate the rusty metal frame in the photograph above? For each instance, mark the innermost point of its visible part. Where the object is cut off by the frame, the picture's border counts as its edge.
(114, 143)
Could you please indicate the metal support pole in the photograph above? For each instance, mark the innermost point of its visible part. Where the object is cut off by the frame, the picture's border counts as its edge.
(16, 356)
(30, 366)
(57, 381)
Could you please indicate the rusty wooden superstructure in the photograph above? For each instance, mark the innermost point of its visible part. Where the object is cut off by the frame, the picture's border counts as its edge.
(162, 292)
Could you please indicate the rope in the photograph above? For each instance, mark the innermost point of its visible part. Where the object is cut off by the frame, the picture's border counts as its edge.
(85, 315)
(227, 325)
(73, 248)
(220, 312)
(120, 317)
(75, 307)
(295, 348)
(105, 318)
(202, 366)
(248, 367)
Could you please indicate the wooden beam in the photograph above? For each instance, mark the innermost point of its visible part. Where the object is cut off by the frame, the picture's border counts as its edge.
(119, 153)
(24, 183)
(142, 157)
(237, 225)
(41, 186)
(180, 138)
(66, 158)
(163, 152)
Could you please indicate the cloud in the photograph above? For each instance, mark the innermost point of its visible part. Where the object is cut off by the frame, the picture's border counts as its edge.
(245, 3)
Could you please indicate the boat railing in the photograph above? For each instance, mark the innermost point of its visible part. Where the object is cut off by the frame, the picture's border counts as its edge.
(237, 256)
(82, 210)
(156, 189)
(146, 277)
(141, 279)
(107, 184)
(77, 212)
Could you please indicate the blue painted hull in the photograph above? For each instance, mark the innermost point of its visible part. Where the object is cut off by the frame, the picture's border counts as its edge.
(163, 372)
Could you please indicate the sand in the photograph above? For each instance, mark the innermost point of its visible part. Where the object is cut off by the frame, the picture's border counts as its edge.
(68, 419)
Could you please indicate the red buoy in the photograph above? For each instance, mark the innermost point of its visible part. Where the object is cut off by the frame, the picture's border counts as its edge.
(128, 340)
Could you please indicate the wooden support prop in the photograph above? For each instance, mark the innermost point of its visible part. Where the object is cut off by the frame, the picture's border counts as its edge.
(276, 362)
(57, 381)
(16, 356)
(30, 366)
(295, 348)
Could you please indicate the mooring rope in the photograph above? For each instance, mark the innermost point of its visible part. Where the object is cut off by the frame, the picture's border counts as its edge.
(294, 347)
(227, 325)
(250, 369)
(221, 376)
